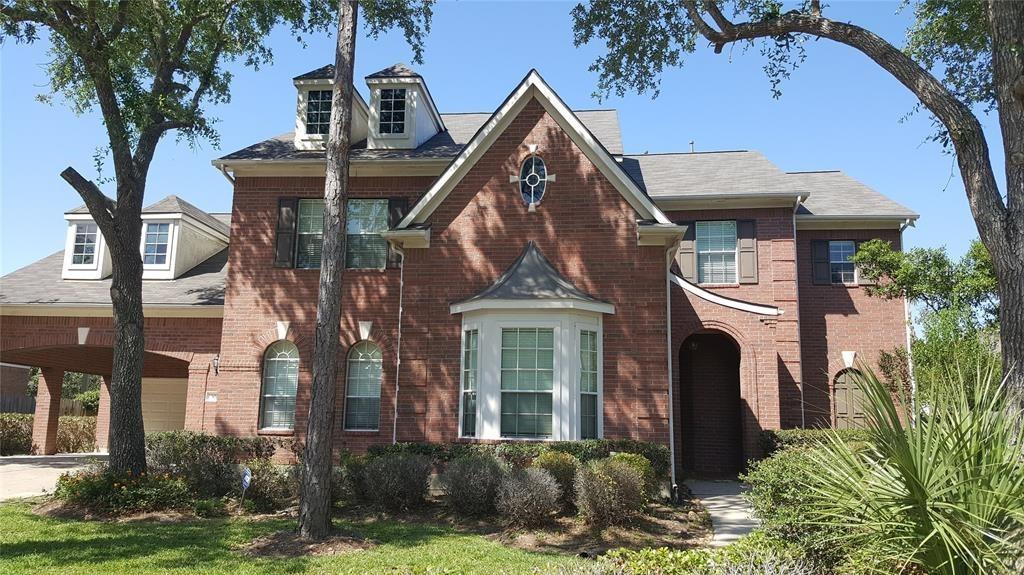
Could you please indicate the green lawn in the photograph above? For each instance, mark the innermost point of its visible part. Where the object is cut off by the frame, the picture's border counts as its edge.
(33, 544)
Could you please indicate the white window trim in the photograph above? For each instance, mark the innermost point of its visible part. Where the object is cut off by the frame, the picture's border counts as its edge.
(735, 255)
(405, 125)
(380, 392)
(305, 110)
(565, 398)
(578, 392)
(263, 369)
(386, 224)
(172, 241)
(468, 326)
(97, 247)
(856, 270)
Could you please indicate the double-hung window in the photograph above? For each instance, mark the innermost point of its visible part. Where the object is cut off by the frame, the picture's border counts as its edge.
(84, 250)
(365, 248)
(279, 385)
(527, 377)
(318, 111)
(716, 252)
(470, 377)
(392, 111)
(840, 256)
(362, 389)
(588, 373)
(309, 234)
(154, 250)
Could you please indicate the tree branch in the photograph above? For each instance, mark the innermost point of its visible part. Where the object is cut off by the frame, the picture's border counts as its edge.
(100, 206)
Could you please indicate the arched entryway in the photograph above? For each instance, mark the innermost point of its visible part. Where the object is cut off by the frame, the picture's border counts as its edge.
(711, 430)
(848, 400)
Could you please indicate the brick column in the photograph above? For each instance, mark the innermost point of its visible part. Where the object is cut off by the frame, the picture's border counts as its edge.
(44, 425)
(103, 416)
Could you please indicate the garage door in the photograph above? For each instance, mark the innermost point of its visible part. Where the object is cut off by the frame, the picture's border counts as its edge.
(163, 404)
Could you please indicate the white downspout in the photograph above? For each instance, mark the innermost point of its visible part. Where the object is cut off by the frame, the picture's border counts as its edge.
(910, 345)
(670, 255)
(398, 343)
(796, 272)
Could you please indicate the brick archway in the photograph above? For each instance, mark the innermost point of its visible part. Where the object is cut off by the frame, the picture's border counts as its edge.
(714, 417)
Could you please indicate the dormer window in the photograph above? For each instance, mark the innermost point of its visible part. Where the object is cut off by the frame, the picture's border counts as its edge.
(84, 250)
(318, 111)
(155, 247)
(392, 111)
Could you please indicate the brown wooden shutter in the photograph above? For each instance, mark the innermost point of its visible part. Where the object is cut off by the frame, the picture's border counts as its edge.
(687, 255)
(821, 270)
(397, 209)
(746, 242)
(284, 252)
(861, 280)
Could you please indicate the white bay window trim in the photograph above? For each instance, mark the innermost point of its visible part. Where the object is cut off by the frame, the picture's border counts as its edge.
(567, 325)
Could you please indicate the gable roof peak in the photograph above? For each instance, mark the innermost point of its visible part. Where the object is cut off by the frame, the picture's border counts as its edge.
(396, 70)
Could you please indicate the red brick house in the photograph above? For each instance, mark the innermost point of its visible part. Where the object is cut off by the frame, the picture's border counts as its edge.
(511, 276)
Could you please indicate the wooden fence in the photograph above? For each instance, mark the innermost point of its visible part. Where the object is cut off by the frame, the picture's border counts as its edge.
(27, 404)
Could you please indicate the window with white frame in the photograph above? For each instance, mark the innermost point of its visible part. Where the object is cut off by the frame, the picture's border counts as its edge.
(527, 380)
(841, 266)
(716, 252)
(391, 115)
(588, 384)
(470, 375)
(365, 248)
(154, 249)
(84, 251)
(309, 234)
(362, 387)
(318, 111)
(279, 385)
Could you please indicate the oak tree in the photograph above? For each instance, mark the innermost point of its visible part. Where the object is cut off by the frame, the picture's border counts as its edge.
(961, 56)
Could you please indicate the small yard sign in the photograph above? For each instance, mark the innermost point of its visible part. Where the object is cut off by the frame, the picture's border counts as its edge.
(246, 480)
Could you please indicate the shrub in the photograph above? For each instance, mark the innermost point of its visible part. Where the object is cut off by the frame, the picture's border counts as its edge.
(642, 466)
(754, 554)
(774, 440)
(272, 486)
(562, 466)
(76, 434)
(397, 480)
(15, 433)
(348, 479)
(519, 454)
(591, 449)
(213, 507)
(471, 482)
(90, 400)
(209, 463)
(99, 490)
(608, 492)
(437, 452)
(528, 497)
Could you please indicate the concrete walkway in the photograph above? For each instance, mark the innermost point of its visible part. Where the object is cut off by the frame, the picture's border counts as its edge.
(30, 475)
(731, 516)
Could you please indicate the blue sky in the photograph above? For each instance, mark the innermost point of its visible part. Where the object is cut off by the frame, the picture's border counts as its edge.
(839, 111)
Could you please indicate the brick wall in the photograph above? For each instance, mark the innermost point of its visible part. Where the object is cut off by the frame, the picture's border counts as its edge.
(836, 318)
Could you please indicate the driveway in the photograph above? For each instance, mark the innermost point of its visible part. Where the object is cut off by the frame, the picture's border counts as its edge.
(29, 475)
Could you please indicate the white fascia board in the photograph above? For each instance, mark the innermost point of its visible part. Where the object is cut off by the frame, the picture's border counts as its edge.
(329, 83)
(199, 225)
(724, 301)
(532, 86)
(814, 222)
(727, 201)
(659, 234)
(106, 310)
(519, 304)
(409, 238)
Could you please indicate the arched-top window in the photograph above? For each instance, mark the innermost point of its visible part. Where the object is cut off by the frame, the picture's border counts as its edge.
(280, 382)
(362, 387)
(848, 400)
(533, 179)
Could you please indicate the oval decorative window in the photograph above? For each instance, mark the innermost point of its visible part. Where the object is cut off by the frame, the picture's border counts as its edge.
(533, 180)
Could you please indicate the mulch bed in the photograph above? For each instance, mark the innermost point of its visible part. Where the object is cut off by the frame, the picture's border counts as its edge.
(289, 544)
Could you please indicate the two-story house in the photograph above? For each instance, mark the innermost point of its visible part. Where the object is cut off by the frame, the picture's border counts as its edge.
(512, 275)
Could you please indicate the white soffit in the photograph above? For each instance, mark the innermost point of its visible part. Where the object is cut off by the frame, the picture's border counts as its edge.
(724, 301)
(533, 86)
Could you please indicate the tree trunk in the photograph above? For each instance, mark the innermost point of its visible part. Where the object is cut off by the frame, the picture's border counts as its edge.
(315, 499)
(1006, 22)
(127, 434)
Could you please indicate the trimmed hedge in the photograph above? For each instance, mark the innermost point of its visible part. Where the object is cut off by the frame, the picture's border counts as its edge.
(521, 454)
(773, 440)
(75, 434)
(207, 462)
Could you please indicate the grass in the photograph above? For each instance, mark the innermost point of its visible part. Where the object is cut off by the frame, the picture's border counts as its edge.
(34, 544)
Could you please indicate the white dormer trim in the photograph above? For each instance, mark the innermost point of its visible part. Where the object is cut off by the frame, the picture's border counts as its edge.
(101, 266)
(532, 86)
(422, 120)
(360, 114)
(377, 83)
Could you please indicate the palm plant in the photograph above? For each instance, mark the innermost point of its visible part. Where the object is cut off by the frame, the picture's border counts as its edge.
(945, 493)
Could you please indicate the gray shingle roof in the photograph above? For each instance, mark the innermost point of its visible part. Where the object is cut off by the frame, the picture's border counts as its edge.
(323, 72)
(41, 283)
(532, 276)
(604, 124)
(399, 70)
(705, 173)
(174, 205)
(836, 194)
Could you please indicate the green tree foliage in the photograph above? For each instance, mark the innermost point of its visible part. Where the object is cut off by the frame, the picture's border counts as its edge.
(73, 384)
(930, 277)
(945, 494)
